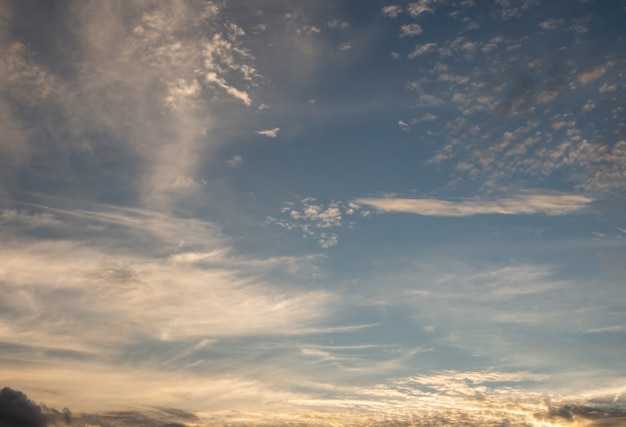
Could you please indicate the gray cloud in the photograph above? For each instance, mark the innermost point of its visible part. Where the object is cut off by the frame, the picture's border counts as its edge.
(16, 410)
(609, 414)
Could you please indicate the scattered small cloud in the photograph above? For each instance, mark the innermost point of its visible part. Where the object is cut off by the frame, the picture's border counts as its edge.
(422, 49)
(606, 88)
(551, 24)
(235, 161)
(422, 6)
(316, 220)
(428, 117)
(309, 30)
(391, 11)
(591, 74)
(338, 24)
(409, 30)
(270, 133)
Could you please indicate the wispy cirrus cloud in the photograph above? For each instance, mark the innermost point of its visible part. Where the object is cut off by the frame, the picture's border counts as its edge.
(137, 76)
(76, 288)
(526, 203)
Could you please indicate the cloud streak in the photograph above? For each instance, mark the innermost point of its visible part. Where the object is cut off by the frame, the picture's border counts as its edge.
(521, 204)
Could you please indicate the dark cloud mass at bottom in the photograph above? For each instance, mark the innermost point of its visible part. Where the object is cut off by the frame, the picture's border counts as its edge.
(16, 410)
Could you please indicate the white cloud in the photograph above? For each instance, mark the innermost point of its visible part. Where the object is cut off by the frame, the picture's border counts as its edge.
(138, 75)
(409, 30)
(70, 294)
(235, 161)
(526, 203)
(422, 6)
(591, 75)
(427, 100)
(428, 117)
(492, 44)
(309, 30)
(212, 77)
(422, 49)
(338, 24)
(316, 220)
(328, 240)
(270, 133)
(391, 11)
(548, 96)
(551, 24)
(606, 88)
(589, 105)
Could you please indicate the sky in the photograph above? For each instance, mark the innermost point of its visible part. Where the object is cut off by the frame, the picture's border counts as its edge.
(307, 213)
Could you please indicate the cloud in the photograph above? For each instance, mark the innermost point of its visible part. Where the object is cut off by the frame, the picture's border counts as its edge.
(315, 220)
(551, 24)
(235, 161)
(16, 410)
(409, 30)
(492, 44)
(606, 88)
(422, 49)
(129, 90)
(422, 6)
(212, 77)
(68, 294)
(338, 24)
(309, 30)
(591, 74)
(597, 414)
(270, 133)
(391, 11)
(527, 203)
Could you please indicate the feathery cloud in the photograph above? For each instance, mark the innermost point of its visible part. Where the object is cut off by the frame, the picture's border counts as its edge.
(526, 203)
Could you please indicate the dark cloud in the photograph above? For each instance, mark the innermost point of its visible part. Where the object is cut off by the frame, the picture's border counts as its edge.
(16, 410)
(598, 416)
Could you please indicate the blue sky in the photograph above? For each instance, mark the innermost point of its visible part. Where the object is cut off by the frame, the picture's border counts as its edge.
(350, 212)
